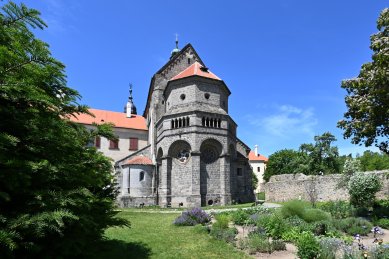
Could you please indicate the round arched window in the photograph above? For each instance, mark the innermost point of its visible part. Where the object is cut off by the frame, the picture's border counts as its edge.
(183, 156)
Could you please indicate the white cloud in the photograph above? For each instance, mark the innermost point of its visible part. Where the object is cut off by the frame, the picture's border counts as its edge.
(287, 122)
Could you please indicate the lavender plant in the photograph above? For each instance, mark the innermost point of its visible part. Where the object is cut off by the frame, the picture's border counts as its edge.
(192, 217)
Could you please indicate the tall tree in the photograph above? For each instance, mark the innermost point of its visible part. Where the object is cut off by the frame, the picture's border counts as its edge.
(366, 121)
(56, 194)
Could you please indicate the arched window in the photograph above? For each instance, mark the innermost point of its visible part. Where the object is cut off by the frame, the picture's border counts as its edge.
(141, 176)
(187, 121)
(172, 121)
(218, 123)
(203, 121)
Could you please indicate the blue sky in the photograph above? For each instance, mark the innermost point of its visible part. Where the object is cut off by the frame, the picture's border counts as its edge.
(282, 60)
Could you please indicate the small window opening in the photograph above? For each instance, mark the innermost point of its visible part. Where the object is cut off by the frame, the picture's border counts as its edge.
(239, 172)
(206, 95)
(258, 169)
(210, 202)
(141, 176)
(182, 96)
(188, 61)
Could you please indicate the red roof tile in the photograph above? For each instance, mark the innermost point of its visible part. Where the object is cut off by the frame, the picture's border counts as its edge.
(195, 70)
(253, 157)
(139, 160)
(119, 119)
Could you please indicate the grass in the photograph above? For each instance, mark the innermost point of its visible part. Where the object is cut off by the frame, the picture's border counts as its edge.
(152, 235)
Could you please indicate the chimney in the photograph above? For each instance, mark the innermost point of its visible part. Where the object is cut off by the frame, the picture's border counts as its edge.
(256, 150)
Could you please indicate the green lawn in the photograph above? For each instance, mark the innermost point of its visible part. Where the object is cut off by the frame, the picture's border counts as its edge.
(152, 235)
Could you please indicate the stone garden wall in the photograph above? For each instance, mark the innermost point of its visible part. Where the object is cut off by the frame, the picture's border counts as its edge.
(299, 186)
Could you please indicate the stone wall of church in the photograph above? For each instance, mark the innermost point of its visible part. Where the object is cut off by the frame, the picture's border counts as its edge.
(286, 187)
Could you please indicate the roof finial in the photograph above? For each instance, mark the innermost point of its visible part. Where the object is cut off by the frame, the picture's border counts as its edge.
(130, 96)
(176, 41)
(176, 49)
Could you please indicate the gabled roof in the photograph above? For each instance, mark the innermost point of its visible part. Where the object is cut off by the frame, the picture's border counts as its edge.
(138, 160)
(196, 69)
(119, 119)
(253, 157)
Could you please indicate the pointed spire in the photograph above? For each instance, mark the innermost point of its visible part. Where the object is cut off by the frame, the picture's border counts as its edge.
(176, 50)
(130, 108)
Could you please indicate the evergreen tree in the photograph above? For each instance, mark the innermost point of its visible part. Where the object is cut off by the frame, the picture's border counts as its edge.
(56, 194)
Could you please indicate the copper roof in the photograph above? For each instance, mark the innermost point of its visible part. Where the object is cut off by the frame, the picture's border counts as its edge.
(119, 119)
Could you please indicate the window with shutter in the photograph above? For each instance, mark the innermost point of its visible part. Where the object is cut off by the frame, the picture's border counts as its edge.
(97, 142)
(133, 144)
(114, 144)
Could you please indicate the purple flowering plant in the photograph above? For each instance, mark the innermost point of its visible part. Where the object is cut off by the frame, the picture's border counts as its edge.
(192, 217)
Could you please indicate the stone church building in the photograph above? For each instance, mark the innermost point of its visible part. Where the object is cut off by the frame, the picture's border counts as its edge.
(192, 156)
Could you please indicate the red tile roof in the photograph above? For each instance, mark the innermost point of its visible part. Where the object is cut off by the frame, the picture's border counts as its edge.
(119, 119)
(253, 157)
(139, 160)
(195, 70)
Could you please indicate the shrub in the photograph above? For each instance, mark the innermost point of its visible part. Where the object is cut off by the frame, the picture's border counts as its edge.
(259, 243)
(293, 208)
(222, 221)
(384, 223)
(307, 245)
(227, 234)
(291, 234)
(329, 247)
(278, 245)
(240, 217)
(362, 189)
(313, 215)
(274, 225)
(338, 209)
(192, 217)
(353, 225)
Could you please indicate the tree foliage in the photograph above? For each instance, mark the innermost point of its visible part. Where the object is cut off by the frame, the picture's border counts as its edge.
(311, 159)
(371, 161)
(56, 194)
(366, 121)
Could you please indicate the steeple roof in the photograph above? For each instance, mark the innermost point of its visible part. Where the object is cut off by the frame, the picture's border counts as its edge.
(196, 69)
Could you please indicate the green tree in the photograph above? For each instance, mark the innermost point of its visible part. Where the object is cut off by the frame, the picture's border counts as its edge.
(371, 161)
(366, 120)
(281, 162)
(321, 156)
(56, 194)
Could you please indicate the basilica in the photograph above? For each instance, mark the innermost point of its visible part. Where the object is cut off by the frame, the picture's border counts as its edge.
(184, 150)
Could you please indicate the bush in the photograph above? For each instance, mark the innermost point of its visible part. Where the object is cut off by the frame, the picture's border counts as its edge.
(192, 217)
(384, 223)
(240, 217)
(278, 245)
(259, 243)
(273, 224)
(362, 189)
(307, 245)
(227, 234)
(338, 209)
(291, 234)
(353, 226)
(313, 215)
(222, 221)
(329, 247)
(293, 208)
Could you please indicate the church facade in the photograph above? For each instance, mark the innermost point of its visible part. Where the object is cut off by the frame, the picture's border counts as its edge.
(194, 157)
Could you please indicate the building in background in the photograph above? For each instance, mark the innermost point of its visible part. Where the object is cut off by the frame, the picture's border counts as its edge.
(258, 163)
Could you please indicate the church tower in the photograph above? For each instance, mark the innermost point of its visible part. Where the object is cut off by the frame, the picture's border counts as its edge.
(130, 108)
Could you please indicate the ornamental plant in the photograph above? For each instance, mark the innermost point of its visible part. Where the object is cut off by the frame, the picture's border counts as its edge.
(192, 217)
(362, 189)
